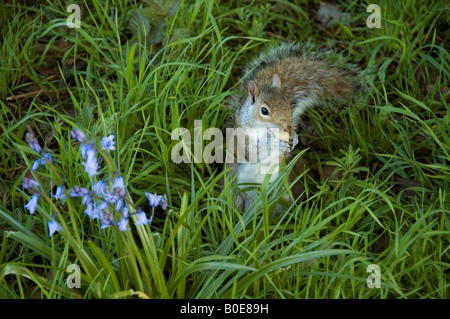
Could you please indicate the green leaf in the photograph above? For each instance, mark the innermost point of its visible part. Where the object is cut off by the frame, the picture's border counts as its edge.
(383, 68)
(106, 264)
(35, 243)
(139, 24)
(43, 283)
(154, 16)
(160, 9)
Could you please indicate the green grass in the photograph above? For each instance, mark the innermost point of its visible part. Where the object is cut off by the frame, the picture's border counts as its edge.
(390, 206)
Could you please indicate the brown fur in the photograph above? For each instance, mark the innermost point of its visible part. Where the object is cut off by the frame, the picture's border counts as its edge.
(297, 74)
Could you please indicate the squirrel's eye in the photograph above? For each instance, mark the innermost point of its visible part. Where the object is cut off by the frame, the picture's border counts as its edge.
(264, 111)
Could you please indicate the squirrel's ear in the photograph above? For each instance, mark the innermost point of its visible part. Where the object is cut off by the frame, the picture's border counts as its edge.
(276, 82)
(253, 90)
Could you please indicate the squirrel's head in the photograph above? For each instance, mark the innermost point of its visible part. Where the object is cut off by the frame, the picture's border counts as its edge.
(269, 106)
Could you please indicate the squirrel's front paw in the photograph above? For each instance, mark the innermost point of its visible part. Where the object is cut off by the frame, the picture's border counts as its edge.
(284, 146)
(293, 140)
(286, 141)
(288, 146)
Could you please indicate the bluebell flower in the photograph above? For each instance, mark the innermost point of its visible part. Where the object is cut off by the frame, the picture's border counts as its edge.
(33, 142)
(86, 199)
(107, 220)
(90, 211)
(91, 164)
(155, 200)
(118, 190)
(28, 183)
(76, 134)
(42, 161)
(163, 202)
(107, 143)
(31, 206)
(100, 188)
(125, 211)
(118, 186)
(141, 218)
(59, 194)
(78, 191)
(85, 148)
(101, 209)
(37, 163)
(122, 224)
(119, 205)
(53, 227)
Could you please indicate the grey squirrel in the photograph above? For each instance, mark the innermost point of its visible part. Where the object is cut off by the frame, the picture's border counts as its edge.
(282, 82)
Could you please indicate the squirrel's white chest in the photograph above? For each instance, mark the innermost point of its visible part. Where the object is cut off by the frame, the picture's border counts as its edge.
(257, 172)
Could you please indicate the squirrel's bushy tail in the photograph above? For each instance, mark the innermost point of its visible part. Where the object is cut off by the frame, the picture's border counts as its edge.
(309, 76)
(275, 53)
